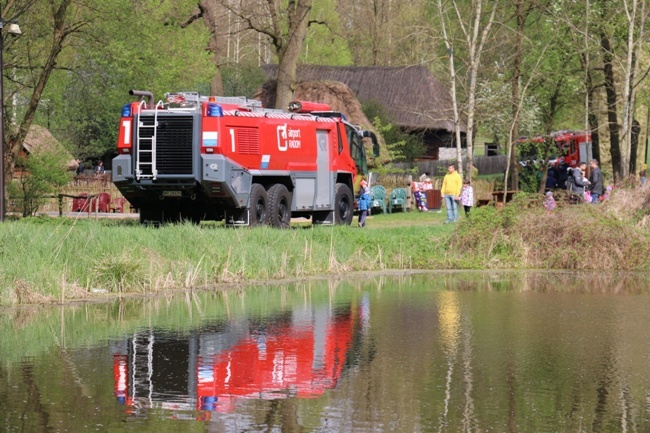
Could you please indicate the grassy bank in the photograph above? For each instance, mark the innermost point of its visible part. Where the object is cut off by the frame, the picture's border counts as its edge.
(57, 260)
(54, 260)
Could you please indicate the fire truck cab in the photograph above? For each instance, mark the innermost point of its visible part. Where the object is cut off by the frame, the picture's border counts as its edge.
(573, 146)
(194, 157)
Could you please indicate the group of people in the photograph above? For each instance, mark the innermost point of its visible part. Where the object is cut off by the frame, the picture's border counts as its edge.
(81, 168)
(456, 192)
(590, 189)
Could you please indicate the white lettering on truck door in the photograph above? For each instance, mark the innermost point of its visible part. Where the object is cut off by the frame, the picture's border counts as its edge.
(283, 143)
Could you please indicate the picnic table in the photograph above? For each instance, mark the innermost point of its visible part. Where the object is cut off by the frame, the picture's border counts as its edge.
(498, 196)
(86, 199)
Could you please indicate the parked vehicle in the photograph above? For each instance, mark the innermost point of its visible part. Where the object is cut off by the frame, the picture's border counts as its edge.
(194, 157)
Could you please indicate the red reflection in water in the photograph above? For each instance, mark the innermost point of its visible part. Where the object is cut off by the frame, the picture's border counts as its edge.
(300, 357)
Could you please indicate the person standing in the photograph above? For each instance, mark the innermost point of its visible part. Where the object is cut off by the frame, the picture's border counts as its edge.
(99, 168)
(596, 181)
(451, 187)
(364, 203)
(562, 173)
(467, 197)
(549, 202)
(579, 182)
(81, 167)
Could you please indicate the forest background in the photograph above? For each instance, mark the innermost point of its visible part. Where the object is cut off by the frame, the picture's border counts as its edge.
(513, 67)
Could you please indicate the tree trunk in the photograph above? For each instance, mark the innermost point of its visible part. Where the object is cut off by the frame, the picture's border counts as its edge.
(612, 116)
(475, 46)
(593, 124)
(634, 145)
(516, 76)
(298, 17)
(452, 76)
(61, 31)
(212, 19)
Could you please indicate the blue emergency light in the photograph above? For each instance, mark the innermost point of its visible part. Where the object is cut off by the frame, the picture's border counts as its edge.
(126, 110)
(215, 110)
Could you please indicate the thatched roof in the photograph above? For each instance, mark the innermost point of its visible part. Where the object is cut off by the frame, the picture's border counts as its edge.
(337, 95)
(412, 97)
(39, 138)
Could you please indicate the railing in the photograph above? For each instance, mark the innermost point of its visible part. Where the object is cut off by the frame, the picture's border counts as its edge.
(484, 164)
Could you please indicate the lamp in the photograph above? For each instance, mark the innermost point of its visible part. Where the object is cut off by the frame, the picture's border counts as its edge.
(12, 29)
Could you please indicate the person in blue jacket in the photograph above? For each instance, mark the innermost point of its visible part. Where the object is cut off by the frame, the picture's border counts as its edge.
(364, 203)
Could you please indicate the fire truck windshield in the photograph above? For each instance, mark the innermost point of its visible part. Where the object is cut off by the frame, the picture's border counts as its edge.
(356, 149)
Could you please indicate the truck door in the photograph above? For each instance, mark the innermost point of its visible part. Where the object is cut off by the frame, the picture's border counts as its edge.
(323, 173)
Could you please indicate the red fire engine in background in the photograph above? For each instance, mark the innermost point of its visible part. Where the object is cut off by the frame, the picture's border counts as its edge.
(573, 146)
(570, 147)
(197, 158)
(212, 368)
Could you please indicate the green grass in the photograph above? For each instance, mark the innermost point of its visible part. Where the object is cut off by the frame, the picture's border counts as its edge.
(44, 260)
(57, 260)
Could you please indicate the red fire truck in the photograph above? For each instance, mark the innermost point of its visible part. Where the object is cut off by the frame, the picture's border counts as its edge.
(194, 157)
(571, 147)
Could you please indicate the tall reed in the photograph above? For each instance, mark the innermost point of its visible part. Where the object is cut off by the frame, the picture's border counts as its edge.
(57, 260)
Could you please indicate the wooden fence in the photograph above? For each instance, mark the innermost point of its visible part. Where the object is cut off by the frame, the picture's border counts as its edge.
(485, 164)
(90, 185)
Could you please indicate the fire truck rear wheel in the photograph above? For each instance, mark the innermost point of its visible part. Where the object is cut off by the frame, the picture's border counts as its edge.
(279, 206)
(259, 205)
(344, 205)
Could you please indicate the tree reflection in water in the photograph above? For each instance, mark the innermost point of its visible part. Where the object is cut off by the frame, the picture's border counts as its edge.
(438, 352)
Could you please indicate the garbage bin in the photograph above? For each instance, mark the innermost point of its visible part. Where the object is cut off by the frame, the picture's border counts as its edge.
(434, 199)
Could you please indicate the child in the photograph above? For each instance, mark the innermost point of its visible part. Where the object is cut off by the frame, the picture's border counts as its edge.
(467, 197)
(608, 191)
(549, 202)
(364, 203)
(420, 197)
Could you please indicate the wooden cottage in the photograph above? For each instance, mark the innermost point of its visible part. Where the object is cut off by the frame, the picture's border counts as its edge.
(39, 138)
(414, 100)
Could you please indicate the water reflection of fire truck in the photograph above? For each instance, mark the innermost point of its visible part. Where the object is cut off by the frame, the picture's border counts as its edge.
(301, 354)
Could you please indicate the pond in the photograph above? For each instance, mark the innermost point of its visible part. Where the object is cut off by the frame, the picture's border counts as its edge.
(422, 352)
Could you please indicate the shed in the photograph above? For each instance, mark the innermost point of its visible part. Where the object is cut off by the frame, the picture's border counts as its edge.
(39, 138)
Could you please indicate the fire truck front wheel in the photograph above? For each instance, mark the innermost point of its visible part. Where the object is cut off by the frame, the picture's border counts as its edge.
(279, 206)
(259, 205)
(344, 205)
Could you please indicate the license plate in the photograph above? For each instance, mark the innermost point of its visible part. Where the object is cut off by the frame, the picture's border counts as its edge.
(173, 193)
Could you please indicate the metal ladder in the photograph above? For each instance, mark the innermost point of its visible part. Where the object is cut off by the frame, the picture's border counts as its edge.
(142, 366)
(146, 145)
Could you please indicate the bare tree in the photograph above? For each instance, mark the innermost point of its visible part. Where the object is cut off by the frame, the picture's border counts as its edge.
(475, 34)
(636, 14)
(452, 75)
(285, 26)
(212, 17)
(64, 24)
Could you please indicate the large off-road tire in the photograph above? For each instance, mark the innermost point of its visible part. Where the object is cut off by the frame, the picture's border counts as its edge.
(279, 206)
(259, 208)
(343, 205)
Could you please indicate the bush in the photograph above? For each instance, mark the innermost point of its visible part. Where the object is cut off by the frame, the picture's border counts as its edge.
(583, 236)
(43, 173)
